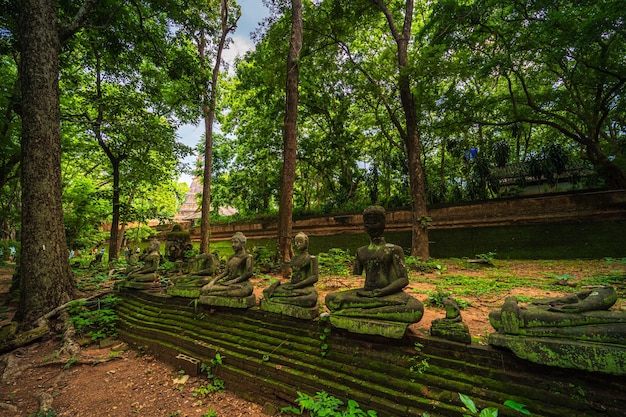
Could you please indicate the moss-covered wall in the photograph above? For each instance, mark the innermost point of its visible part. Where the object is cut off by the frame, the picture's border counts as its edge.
(269, 358)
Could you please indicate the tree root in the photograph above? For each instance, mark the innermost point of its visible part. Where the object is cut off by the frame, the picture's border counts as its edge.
(13, 340)
(12, 367)
(45, 401)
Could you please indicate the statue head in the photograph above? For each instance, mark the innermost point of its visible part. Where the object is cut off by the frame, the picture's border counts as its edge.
(301, 237)
(241, 238)
(155, 245)
(374, 221)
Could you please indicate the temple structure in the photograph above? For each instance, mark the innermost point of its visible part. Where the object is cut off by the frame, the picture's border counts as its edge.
(189, 211)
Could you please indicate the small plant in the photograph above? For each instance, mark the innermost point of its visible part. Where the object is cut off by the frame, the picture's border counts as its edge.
(95, 319)
(415, 264)
(215, 384)
(488, 257)
(489, 411)
(71, 362)
(44, 413)
(209, 413)
(471, 407)
(323, 337)
(323, 404)
(418, 365)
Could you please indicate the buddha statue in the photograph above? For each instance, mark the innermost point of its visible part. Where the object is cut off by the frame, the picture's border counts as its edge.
(140, 276)
(382, 296)
(201, 270)
(234, 282)
(297, 295)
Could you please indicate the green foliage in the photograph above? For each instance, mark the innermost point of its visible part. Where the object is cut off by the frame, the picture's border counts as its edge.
(415, 264)
(418, 365)
(209, 413)
(324, 405)
(96, 318)
(490, 411)
(488, 257)
(469, 404)
(214, 384)
(517, 407)
(335, 262)
(324, 338)
(435, 298)
(264, 258)
(44, 413)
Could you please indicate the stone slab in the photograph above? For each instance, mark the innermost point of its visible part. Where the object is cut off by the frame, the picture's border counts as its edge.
(290, 310)
(232, 302)
(565, 353)
(138, 285)
(190, 292)
(389, 329)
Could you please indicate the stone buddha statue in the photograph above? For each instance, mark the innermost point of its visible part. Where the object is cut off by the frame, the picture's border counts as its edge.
(234, 282)
(382, 296)
(584, 315)
(298, 297)
(575, 331)
(147, 272)
(304, 273)
(201, 270)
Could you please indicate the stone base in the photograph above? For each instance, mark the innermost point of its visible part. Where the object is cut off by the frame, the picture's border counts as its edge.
(139, 285)
(565, 353)
(389, 329)
(451, 330)
(187, 292)
(290, 310)
(232, 302)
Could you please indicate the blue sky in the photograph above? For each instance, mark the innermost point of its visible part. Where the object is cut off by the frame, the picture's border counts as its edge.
(252, 12)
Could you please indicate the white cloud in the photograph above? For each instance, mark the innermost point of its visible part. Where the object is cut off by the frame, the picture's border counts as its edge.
(238, 48)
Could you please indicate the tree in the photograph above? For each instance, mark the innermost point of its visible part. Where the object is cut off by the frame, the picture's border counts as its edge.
(410, 133)
(290, 134)
(45, 276)
(552, 65)
(130, 100)
(208, 110)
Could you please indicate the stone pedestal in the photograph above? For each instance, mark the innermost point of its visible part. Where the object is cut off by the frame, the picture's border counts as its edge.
(290, 310)
(389, 329)
(456, 331)
(139, 285)
(186, 292)
(232, 302)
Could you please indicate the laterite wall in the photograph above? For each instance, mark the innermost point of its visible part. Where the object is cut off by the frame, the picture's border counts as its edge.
(268, 358)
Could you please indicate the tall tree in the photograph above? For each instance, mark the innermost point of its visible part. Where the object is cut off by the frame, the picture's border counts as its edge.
(290, 133)
(45, 276)
(208, 110)
(410, 132)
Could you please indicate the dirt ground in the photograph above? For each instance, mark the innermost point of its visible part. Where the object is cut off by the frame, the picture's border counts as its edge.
(117, 381)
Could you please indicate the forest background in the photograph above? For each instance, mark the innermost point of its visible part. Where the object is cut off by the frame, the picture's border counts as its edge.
(466, 88)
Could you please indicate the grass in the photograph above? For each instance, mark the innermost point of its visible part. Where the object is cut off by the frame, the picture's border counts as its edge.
(460, 279)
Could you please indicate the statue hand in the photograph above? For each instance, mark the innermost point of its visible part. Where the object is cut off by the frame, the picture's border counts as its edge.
(368, 293)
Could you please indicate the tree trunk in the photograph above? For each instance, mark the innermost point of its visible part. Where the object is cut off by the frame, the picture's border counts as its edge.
(411, 136)
(288, 174)
(45, 276)
(114, 241)
(208, 110)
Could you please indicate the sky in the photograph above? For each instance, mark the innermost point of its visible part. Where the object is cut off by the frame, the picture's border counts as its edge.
(252, 12)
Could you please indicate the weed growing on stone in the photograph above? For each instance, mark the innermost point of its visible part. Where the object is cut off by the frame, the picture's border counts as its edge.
(323, 404)
(470, 406)
(214, 384)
